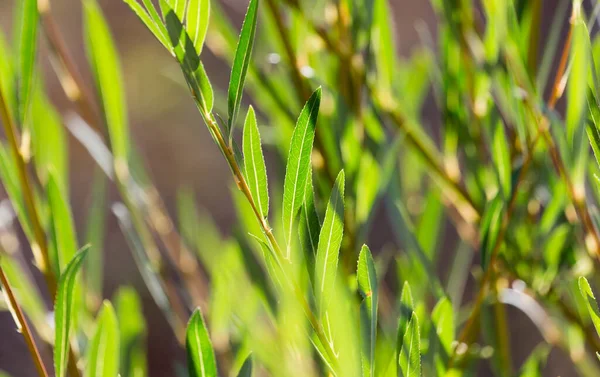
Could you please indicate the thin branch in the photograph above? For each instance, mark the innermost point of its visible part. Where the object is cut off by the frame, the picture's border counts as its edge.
(22, 325)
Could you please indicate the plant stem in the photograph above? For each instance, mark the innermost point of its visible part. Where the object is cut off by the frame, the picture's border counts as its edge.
(243, 186)
(40, 247)
(157, 217)
(22, 325)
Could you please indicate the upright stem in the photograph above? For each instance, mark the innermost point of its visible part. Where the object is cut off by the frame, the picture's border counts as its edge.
(22, 325)
(243, 186)
(40, 248)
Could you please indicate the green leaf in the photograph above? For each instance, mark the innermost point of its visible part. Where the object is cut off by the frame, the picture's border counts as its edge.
(94, 235)
(254, 164)
(200, 355)
(490, 227)
(590, 301)
(156, 28)
(243, 53)
(368, 288)
(105, 64)
(63, 230)
(536, 362)
(48, 139)
(577, 90)
(310, 226)
(196, 22)
(501, 156)
(246, 370)
(407, 307)
(330, 240)
(7, 77)
(443, 320)
(410, 356)
(103, 352)
(298, 165)
(177, 6)
(132, 326)
(27, 50)
(64, 312)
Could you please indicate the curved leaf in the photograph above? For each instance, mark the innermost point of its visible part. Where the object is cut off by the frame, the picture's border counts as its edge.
(590, 302)
(64, 312)
(240, 63)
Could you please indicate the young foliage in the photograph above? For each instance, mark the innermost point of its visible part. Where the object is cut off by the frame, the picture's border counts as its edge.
(410, 354)
(28, 23)
(254, 163)
(64, 311)
(241, 61)
(330, 240)
(590, 302)
(298, 166)
(369, 290)
(103, 352)
(200, 355)
(105, 65)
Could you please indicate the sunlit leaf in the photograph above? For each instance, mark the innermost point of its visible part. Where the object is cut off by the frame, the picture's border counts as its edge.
(64, 312)
(246, 370)
(590, 301)
(254, 163)
(103, 352)
(330, 240)
(241, 60)
(410, 354)
(63, 229)
(27, 50)
(132, 330)
(196, 22)
(106, 67)
(298, 165)
(368, 288)
(200, 354)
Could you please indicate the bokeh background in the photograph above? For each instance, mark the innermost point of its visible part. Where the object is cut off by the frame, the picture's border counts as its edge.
(178, 151)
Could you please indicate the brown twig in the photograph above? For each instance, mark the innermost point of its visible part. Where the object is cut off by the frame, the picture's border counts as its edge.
(22, 325)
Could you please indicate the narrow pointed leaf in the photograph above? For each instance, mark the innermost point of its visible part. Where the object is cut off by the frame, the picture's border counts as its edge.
(310, 226)
(64, 312)
(502, 159)
(410, 356)
(241, 60)
(109, 79)
(103, 352)
(368, 288)
(63, 229)
(27, 50)
(298, 165)
(407, 307)
(443, 320)
(330, 240)
(132, 331)
(590, 302)
(200, 354)
(254, 164)
(196, 22)
(156, 29)
(246, 370)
